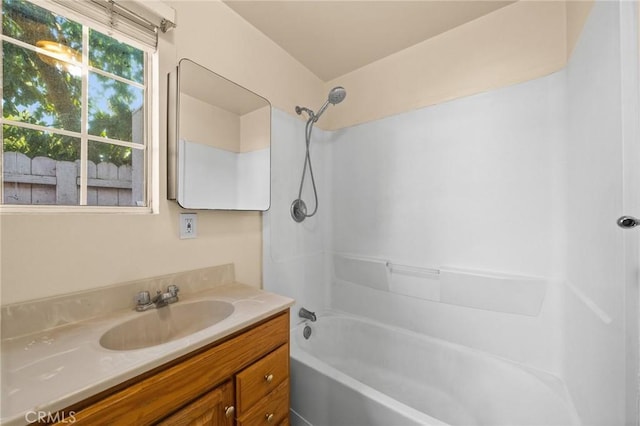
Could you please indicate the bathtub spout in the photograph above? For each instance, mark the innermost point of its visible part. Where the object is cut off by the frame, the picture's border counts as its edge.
(303, 313)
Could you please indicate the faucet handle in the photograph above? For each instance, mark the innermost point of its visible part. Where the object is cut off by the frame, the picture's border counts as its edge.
(173, 289)
(143, 298)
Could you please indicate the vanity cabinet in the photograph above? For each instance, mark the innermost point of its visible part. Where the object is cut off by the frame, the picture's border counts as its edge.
(243, 379)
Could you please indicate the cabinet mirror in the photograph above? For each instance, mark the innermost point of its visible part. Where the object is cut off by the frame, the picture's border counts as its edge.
(219, 142)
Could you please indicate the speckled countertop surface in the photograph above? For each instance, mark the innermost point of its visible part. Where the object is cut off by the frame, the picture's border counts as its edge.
(50, 370)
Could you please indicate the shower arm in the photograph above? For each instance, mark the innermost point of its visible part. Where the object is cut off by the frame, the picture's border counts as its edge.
(300, 110)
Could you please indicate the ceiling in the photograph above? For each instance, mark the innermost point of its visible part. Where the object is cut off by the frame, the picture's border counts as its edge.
(332, 38)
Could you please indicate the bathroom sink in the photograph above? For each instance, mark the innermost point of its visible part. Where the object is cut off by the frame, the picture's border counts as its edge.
(165, 324)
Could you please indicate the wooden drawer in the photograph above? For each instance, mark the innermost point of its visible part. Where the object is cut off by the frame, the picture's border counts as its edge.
(270, 410)
(256, 381)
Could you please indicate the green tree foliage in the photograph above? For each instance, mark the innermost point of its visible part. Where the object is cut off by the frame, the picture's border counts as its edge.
(39, 90)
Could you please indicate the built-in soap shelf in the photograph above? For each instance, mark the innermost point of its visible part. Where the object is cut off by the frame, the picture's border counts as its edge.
(494, 291)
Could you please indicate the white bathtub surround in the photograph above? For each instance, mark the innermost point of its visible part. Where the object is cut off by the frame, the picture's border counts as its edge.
(486, 290)
(472, 183)
(525, 181)
(295, 252)
(369, 373)
(601, 316)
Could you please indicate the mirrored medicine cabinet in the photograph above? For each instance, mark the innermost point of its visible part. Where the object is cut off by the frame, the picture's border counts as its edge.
(218, 142)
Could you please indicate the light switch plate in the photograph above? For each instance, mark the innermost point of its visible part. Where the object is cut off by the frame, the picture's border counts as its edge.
(188, 225)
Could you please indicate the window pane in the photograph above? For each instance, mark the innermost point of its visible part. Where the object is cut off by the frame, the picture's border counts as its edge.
(39, 167)
(107, 54)
(116, 175)
(115, 109)
(37, 92)
(44, 87)
(29, 23)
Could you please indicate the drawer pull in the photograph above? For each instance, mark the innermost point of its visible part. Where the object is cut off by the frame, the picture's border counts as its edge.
(228, 411)
(269, 417)
(268, 378)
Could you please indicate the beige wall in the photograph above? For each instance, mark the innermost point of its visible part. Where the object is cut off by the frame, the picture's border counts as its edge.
(50, 254)
(255, 130)
(208, 124)
(220, 40)
(520, 42)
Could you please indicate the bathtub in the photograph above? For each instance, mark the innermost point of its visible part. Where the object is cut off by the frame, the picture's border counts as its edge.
(355, 372)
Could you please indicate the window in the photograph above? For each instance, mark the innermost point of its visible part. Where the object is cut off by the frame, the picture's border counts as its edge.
(75, 112)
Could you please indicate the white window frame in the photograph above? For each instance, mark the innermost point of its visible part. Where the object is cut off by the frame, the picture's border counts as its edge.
(151, 125)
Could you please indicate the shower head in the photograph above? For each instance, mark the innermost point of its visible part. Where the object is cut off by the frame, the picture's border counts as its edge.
(336, 95)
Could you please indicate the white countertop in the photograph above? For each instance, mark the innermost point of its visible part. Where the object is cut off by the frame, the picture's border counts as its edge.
(51, 370)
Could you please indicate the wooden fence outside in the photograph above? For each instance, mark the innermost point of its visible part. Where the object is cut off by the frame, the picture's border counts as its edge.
(42, 180)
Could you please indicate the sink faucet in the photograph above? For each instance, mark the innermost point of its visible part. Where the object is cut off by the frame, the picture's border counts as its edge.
(145, 302)
(303, 313)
